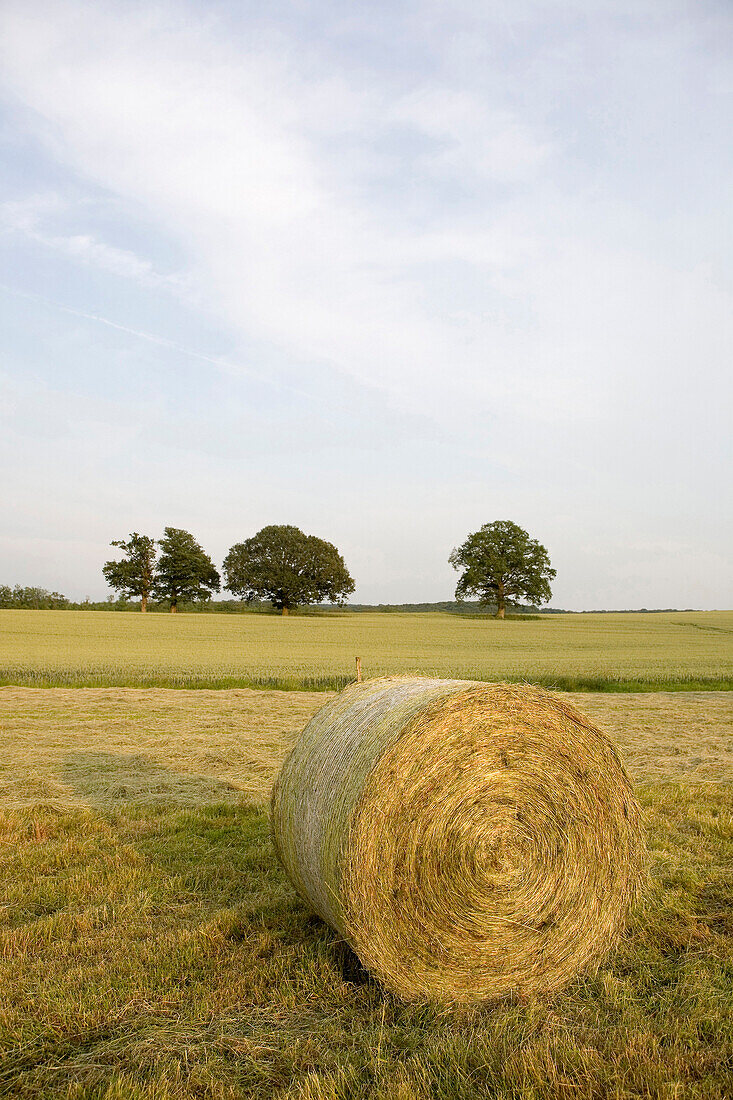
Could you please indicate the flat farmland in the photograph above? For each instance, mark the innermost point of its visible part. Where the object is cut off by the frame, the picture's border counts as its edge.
(594, 652)
(110, 748)
(151, 947)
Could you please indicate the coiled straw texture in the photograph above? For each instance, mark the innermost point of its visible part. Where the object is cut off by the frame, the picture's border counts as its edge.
(468, 840)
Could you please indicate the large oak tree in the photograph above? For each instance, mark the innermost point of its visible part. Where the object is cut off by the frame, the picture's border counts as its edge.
(185, 571)
(501, 562)
(133, 576)
(287, 567)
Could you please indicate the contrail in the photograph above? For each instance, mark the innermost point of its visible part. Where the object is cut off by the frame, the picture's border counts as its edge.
(161, 341)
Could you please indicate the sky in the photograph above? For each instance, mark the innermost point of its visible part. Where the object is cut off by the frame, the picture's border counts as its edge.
(386, 271)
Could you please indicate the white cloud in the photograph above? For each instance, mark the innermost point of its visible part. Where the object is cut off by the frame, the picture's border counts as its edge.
(482, 240)
(470, 137)
(217, 148)
(29, 217)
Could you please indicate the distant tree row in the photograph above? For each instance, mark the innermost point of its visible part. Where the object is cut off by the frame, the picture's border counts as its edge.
(36, 599)
(499, 563)
(183, 572)
(280, 564)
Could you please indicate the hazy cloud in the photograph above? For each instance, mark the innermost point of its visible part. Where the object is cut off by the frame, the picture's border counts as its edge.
(488, 241)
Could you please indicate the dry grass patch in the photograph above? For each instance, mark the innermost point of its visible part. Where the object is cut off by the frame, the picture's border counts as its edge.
(152, 949)
(160, 954)
(99, 747)
(102, 747)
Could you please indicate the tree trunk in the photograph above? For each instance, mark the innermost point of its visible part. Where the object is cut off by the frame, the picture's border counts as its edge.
(286, 610)
(174, 607)
(144, 603)
(500, 604)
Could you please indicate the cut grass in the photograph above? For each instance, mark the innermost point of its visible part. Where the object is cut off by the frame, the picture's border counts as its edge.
(101, 748)
(602, 652)
(152, 949)
(161, 954)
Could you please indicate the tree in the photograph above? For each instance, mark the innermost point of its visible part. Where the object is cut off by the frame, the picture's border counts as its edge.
(134, 575)
(32, 598)
(185, 571)
(287, 567)
(501, 561)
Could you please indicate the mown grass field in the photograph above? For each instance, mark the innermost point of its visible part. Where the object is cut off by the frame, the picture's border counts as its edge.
(152, 949)
(605, 652)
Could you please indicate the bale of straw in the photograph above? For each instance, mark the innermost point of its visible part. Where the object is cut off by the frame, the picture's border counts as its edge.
(468, 840)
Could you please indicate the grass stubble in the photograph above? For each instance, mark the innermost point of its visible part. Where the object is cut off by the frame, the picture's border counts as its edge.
(151, 946)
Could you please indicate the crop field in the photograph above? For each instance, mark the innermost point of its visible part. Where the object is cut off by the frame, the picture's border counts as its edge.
(599, 652)
(151, 948)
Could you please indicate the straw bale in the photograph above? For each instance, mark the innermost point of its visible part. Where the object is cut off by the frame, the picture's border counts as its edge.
(468, 840)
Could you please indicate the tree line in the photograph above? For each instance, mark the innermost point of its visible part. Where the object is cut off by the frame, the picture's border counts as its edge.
(280, 564)
(34, 599)
(499, 563)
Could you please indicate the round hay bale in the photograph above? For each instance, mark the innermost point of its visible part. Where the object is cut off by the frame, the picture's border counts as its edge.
(468, 840)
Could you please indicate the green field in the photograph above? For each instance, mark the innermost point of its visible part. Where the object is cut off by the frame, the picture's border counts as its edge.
(151, 947)
(598, 652)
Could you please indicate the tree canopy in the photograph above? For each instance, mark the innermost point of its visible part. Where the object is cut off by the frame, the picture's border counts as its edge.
(500, 562)
(135, 574)
(287, 567)
(185, 571)
(37, 599)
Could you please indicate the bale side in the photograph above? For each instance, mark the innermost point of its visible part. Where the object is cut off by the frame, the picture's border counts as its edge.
(322, 779)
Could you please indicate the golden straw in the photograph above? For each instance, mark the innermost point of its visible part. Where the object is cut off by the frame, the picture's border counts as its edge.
(468, 840)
